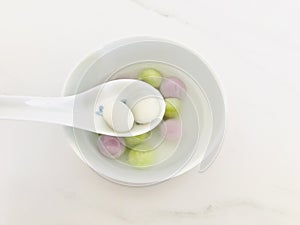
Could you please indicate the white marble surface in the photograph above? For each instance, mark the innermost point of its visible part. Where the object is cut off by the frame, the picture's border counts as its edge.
(254, 46)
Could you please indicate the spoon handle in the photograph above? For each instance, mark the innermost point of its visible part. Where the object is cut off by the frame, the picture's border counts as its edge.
(58, 110)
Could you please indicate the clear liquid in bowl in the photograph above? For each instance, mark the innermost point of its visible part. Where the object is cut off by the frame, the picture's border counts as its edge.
(195, 115)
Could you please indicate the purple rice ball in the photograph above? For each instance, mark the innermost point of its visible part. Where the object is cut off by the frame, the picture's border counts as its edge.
(172, 87)
(171, 129)
(110, 146)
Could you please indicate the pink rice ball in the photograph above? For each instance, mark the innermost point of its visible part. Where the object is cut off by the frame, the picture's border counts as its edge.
(171, 129)
(172, 87)
(110, 146)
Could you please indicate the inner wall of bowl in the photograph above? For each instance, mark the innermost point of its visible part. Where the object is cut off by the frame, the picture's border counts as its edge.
(97, 69)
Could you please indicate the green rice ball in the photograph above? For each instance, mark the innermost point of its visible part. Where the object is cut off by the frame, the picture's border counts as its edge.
(141, 156)
(151, 76)
(135, 140)
(173, 106)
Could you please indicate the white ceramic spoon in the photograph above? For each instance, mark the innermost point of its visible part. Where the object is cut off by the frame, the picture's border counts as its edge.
(104, 109)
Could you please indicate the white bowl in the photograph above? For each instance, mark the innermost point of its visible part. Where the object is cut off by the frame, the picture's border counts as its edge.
(96, 67)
